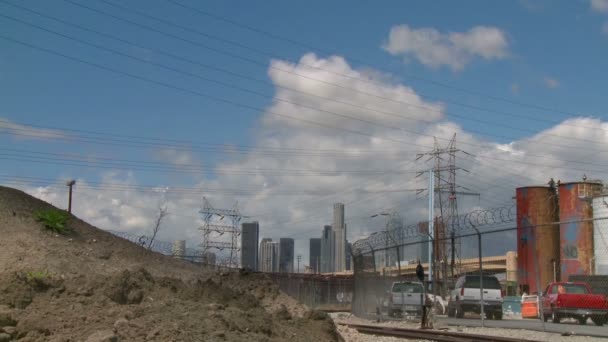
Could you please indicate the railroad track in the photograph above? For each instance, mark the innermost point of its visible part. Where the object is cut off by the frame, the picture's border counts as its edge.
(432, 335)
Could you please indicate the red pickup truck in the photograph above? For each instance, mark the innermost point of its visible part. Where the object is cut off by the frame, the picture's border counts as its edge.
(574, 300)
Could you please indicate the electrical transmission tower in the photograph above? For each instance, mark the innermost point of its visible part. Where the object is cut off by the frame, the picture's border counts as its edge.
(444, 211)
(214, 230)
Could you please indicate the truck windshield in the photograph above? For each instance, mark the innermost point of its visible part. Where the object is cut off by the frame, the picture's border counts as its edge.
(490, 283)
(407, 288)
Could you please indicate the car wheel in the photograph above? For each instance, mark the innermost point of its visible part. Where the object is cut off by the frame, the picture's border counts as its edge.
(554, 317)
(582, 320)
(599, 320)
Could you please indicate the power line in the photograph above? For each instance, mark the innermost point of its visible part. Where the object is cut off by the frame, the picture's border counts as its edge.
(310, 47)
(236, 56)
(257, 93)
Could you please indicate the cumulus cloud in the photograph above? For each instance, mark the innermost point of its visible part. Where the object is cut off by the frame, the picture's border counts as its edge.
(452, 49)
(551, 82)
(599, 5)
(27, 132)
(297, 204)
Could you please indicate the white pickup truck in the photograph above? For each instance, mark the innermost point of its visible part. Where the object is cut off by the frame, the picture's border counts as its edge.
(405, 298)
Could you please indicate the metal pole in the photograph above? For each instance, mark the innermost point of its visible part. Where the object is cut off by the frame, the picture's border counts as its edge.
(70, 184)
(480, 278)
(431, 222)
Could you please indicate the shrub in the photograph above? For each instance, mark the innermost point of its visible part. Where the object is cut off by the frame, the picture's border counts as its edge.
(53, 219)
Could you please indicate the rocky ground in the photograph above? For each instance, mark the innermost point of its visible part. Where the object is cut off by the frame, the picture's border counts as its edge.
(88, 285)
(354, 336)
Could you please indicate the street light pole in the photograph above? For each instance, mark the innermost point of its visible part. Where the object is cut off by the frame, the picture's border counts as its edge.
(70, 184)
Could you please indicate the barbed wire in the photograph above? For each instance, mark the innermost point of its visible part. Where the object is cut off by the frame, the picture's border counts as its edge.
(477, 219)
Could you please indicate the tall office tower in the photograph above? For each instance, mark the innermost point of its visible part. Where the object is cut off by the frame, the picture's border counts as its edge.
(340, 236)
(349, 256)
(327, 250)
(314, 259)
(250, 235)
(267, 257)
(275, 257)
(286, 251)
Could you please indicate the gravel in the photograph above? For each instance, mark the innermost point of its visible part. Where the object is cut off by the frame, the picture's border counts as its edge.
(351, 335)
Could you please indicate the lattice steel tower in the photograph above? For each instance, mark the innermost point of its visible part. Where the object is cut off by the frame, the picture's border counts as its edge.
(446, 207)
(213, 231)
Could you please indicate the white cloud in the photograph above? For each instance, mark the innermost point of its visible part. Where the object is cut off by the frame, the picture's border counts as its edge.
(551, 82)
(599, 5)
(289, 204)
(26, 132)
(452, 49)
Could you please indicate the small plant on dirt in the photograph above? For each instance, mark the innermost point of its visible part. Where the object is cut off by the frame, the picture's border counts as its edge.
(35, 276)
(53, 219)
(39, 280)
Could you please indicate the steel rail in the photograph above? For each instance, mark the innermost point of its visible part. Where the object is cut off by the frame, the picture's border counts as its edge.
(431, 335)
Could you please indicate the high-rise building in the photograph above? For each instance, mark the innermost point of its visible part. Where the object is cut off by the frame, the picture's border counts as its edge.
(314, 259)
(340, 238)
(349, 256)
(250, 235)
(327, 250)
(286, 251)
(266, 259)
(275, 257)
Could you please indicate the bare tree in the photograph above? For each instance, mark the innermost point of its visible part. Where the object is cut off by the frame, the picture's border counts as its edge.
(162, 212)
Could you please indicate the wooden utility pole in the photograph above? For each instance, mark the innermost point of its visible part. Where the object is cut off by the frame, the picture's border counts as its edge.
(70, 184)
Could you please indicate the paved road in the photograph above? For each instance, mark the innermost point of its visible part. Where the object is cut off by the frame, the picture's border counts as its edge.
(531, 324)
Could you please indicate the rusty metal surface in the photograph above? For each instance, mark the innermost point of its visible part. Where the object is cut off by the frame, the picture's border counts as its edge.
(537, 246)
(576, 239)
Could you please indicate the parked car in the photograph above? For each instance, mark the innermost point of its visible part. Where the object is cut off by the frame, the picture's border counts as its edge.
(405, 298)
(466, 297)
(573, 300)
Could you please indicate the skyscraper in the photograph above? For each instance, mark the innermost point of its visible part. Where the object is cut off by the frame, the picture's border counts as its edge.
(267, 257)
(315, 255)
(286, 250)
(327, 250)
(349, 256)
(340, 238)
(249, 245)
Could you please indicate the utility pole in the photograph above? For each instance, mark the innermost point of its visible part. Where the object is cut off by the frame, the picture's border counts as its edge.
(299, 258)
(70, 184)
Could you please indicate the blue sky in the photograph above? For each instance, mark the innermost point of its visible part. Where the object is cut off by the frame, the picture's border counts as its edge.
(554, 56)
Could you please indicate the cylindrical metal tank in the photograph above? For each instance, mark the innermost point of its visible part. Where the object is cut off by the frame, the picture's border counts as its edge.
(600, 235)
(537, 242)
(179, 248)
(576, 238)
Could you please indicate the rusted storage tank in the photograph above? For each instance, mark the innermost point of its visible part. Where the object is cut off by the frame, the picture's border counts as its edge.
(537, 242)
(576, 238)
(600, 235)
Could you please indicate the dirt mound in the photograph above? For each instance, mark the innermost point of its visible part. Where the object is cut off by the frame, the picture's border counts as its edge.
(89, 285)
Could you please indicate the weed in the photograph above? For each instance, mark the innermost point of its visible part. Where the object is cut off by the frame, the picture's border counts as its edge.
(38, 280)
(53, 219)
(34, 276)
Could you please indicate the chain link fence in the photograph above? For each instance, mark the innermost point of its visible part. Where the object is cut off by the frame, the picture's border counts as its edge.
(495, 275)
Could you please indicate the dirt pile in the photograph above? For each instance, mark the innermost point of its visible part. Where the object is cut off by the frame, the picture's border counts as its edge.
(89, 285)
